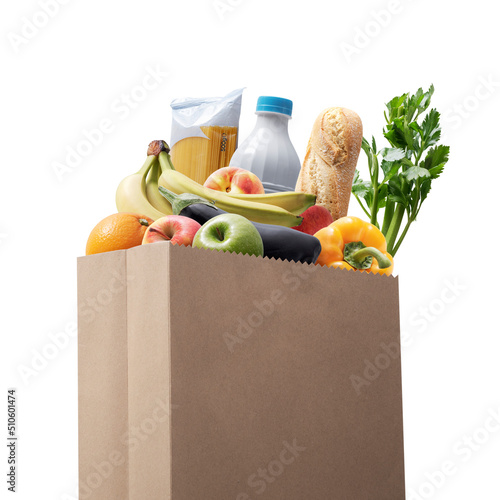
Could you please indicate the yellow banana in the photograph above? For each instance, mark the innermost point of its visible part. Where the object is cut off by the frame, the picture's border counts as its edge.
(153, 195)
(257, 212)
(294, 202)
(165, 160)
(131, 193)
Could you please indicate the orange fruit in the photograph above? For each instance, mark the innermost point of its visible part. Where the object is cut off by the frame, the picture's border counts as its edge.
(117, 232)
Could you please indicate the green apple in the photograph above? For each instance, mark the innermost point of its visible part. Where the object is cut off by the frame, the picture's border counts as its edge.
(230, 233)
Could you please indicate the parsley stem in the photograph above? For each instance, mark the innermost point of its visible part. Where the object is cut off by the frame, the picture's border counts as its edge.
(403, 234)
(362, 206)
(374, 208)
(392, 232)
(388, 214)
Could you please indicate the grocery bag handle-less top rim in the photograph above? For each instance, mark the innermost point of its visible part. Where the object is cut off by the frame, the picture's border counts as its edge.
(189, 114)
(320, 268)
(313, 268)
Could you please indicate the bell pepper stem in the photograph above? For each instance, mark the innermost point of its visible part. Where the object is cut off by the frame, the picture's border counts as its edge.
(383, 261)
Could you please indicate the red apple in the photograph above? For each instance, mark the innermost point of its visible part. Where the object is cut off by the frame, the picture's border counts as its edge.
(234, 180)
(315, 218)
(177, 229)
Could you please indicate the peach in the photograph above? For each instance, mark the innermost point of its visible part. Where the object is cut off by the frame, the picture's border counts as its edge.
(177, 229)
(314, 218)
(234, 180)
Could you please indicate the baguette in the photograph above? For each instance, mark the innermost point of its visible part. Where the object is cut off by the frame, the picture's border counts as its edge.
(331, 158)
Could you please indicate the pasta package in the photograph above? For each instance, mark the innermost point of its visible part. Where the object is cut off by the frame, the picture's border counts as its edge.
(204, 133)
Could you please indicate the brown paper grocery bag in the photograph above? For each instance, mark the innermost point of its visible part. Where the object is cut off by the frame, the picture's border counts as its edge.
(221, 376)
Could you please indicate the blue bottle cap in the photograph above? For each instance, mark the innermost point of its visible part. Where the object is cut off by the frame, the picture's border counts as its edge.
(274, 105)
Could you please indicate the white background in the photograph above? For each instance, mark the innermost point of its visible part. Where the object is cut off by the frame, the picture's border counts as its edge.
(73, 71)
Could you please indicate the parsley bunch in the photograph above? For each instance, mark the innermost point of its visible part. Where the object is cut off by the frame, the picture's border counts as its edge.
(401, 175)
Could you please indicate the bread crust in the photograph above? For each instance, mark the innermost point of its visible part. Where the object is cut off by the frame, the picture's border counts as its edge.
(331, 158)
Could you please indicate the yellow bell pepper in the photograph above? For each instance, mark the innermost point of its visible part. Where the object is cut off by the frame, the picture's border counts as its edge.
(351, 243)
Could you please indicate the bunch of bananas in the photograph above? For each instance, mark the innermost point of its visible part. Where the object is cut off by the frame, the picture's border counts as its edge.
(139, 193)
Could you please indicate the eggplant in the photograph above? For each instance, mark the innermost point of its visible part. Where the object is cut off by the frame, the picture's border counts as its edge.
(279, 242)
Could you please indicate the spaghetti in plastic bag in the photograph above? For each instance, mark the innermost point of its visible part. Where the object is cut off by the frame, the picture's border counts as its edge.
(204, 133)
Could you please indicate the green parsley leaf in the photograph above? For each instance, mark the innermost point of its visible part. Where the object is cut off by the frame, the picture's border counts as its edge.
(431, 129)
(392, 154)
(360, 187)
(415, 173)
(389, 168)
(437, 155)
